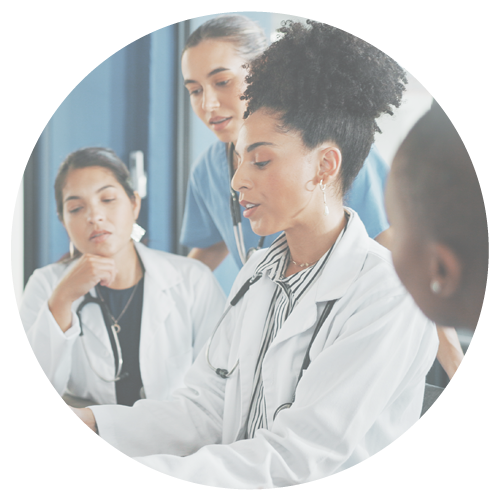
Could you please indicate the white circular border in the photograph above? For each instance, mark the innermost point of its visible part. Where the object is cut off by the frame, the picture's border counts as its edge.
(48, 47)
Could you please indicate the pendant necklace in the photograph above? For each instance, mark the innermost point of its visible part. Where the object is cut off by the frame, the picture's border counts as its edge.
(115, 327)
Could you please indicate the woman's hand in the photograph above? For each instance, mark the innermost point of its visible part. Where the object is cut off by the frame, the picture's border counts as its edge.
(86, 416)
(85, 275)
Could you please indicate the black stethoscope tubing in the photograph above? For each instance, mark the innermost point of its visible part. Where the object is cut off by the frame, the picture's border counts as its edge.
(236, 214)
(223, 373)
(307, 360)
(113, 337)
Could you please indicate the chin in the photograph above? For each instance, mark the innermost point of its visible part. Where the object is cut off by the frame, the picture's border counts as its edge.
(261, 230)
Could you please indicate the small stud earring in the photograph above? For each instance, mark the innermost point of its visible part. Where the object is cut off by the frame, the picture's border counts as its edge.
(435, 286)
(71, 249)
(323, 187)
(137, 232)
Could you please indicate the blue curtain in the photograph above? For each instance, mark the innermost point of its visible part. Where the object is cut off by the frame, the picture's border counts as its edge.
(135, 100)
(127, 103)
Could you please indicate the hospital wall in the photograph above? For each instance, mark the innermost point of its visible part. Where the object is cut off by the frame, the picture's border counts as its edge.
(135, 101)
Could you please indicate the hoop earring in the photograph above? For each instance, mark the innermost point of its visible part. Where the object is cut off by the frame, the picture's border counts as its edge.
(137, 232)
(71, 249)
(323, 187)
(435, 286)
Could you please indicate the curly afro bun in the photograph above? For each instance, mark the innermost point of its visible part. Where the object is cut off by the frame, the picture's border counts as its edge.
(329, 86)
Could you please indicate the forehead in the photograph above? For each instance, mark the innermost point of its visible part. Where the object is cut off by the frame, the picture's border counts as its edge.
(264, 126)
(83, 177)
(209, 55)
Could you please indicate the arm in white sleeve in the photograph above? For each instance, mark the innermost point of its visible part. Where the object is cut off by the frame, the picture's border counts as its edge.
(380, 354)
(52, 346)
(189, 420)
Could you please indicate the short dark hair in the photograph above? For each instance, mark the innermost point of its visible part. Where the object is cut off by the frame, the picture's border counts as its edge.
(246, 35)
(91, 157)
(438, 182)
(329, 86)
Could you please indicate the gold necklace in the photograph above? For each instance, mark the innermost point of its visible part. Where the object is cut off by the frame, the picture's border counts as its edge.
(115, 327)
(305, 264)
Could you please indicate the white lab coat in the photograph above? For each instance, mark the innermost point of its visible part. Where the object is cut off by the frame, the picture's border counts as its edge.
(363, 388)
(182, 302)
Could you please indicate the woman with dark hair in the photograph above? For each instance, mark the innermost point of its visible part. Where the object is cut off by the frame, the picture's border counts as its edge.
(433, 189)
(212, 66)
(320, 361)
(115, 320)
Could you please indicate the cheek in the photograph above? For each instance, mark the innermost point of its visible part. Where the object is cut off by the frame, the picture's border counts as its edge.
(410, 266)
(196, 106)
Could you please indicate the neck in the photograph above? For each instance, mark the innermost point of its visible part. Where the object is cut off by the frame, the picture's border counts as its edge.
(309, 242)
(129, 268)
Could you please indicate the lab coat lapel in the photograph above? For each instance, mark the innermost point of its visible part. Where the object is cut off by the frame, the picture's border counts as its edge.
(340, 271)
(256, 306)
(157, 303)
(96, 338)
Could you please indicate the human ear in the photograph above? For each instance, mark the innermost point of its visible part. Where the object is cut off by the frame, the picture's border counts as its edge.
(446, 271)
(136, 204)
(330, 159)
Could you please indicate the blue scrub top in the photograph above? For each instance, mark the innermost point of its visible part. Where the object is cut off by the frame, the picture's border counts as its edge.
(207, 217)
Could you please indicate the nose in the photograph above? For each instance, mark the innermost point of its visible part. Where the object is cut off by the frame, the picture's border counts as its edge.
(210, 99)
(95, 214)
(241, 179)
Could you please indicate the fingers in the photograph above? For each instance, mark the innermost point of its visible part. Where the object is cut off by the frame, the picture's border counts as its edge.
(86, 415)
(98, 269)
(88, 271)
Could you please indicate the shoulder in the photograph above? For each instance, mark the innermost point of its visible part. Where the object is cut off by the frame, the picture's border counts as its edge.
(168, 266)
(215, 154)
(43, 281)
(362, 264)
(50, 274)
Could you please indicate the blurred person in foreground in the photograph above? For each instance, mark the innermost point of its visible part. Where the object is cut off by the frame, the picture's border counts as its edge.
(436, 209)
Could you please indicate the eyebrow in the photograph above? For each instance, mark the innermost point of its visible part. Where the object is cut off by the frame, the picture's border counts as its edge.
(212, 73)
(98, 191)
(255, 145)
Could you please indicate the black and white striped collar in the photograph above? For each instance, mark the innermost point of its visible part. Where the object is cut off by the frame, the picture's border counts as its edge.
(277, 259)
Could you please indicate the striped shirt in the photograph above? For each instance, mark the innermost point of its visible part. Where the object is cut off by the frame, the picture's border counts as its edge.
(287, 294)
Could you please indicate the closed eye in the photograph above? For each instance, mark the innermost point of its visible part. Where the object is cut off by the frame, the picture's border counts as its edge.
(107, 200)
(74, 210)
(261, 164)
(194, 92)
(221, 84)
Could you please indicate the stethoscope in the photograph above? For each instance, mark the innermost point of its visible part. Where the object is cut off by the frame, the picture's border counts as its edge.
(236, 214)
(223, 373)
(115, 343)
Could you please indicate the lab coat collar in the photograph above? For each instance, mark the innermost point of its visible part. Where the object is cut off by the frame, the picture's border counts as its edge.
(346, 261)
(157, 269)
(340, 271)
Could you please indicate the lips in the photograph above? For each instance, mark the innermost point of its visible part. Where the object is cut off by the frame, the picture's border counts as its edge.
(99, 236)
(249, 207)
(219, 122)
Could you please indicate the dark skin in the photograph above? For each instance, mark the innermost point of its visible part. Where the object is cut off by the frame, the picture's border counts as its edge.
(421, 260)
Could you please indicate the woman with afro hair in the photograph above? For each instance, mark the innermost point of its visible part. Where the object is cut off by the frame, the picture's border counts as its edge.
(322, 362)
(213, 62)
